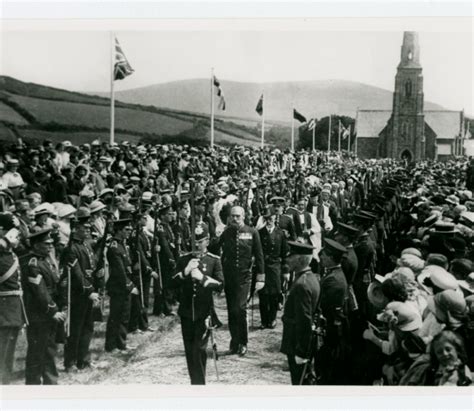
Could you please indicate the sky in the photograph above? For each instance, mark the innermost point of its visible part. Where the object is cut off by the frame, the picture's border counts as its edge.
(80, 60)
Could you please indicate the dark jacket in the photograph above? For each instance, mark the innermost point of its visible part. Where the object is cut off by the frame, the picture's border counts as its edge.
(11, 314)
(40, 278)
(196, 296)
(239, 245)
(275, 249)
(120, 269)
(300, 310)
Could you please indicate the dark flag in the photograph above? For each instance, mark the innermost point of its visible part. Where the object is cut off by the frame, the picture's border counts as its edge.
(122, 67)
(299, 116)
(259, 108)
(220, 94)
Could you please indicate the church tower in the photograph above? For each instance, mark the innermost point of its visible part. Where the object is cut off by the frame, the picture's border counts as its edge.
(407, 139)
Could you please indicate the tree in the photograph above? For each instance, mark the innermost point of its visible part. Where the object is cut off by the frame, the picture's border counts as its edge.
(321, 133)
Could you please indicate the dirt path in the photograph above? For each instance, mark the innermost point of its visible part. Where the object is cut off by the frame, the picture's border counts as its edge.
(162, 361)
(159, 358)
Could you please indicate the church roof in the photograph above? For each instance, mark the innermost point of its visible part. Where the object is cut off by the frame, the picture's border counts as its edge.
(370, 123)
(446, 124)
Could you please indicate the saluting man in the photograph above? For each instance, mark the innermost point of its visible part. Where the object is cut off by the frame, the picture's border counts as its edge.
(11, 311)
(300, 310)
(119, 287)
(240, 243)
(198, 275)
(79, 259)
(44, 310)
(275, 249)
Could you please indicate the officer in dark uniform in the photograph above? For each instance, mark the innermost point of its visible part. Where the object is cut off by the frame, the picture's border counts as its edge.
(11, 305)
(239, 244)
(198, 275)
(334, 353)
(300, 310)
(80, 261)
(142, 272)
(44, 309)
(163, 303)
(275, 249)
(119, 286)
(365, 251)
(283, 221)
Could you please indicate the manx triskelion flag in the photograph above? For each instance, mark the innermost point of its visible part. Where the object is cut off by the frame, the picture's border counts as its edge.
(122, 67)
(220, 94)
(345, 131)
(312, 124)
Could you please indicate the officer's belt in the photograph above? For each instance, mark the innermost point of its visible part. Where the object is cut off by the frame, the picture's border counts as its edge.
(10, 271)
(11, 293)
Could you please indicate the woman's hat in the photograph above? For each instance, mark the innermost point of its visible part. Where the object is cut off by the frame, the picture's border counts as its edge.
(408, 318)
(376, 296)
(449, 303)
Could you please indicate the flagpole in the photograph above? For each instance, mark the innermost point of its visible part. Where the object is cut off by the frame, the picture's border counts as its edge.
(293, 129)
(339, 137)
(314, 137)
(212, 107)
(349, 139)
(263, 123)
(329, 136)
(112, 95)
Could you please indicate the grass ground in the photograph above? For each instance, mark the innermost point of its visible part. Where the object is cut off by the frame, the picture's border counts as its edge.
(159, 357)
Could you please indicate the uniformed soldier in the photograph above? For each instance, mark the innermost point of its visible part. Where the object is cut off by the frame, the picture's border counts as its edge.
(300, 311)
(283, 221)
(119, 287)
(275, 249)
(11, 305)
(163, 303)
(142, 272)
(44, 309)
(239, 244)
(198, 276)
(80, 264)
(334, 353)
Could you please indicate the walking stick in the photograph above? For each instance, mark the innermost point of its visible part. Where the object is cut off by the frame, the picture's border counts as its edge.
(68, 325)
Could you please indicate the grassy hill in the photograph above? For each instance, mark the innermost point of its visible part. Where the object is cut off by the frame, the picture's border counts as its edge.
(39, 112)
(311, 98)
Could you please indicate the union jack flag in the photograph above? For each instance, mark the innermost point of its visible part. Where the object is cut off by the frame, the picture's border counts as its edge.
(122, 67)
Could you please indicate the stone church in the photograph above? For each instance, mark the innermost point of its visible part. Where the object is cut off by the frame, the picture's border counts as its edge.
(408, 131)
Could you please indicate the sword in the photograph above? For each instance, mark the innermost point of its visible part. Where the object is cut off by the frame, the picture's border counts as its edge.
(215, 356)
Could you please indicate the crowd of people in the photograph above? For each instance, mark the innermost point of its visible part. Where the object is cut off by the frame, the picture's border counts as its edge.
(370, 262)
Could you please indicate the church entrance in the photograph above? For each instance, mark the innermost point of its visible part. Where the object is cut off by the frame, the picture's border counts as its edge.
(406, 155)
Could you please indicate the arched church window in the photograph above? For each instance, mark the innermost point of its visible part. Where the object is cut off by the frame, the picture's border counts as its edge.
(410, 55)
(408, 88)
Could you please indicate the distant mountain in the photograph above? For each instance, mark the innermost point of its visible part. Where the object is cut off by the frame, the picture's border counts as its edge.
(311, 98)
(37, 112)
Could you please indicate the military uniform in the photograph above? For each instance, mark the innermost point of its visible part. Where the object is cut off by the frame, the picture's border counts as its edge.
(80, 260)
(11, 313)
(334, 353)
(119, 287)
(286, 224)
(164, 298)
(239, 245)
(275, 249)
(195, 306)
(298, 318)
(142, 250)
(42, 301)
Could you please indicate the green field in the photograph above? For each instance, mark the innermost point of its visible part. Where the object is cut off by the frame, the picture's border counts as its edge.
(11, 116)
(40, 112)
(78, 114)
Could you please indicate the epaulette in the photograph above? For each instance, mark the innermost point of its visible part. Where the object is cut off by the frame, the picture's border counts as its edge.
(71, 265)
(212, 255)
(33, 262)
(113, 244)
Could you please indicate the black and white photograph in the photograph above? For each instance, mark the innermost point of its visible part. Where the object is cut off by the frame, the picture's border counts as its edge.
(237, 202)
